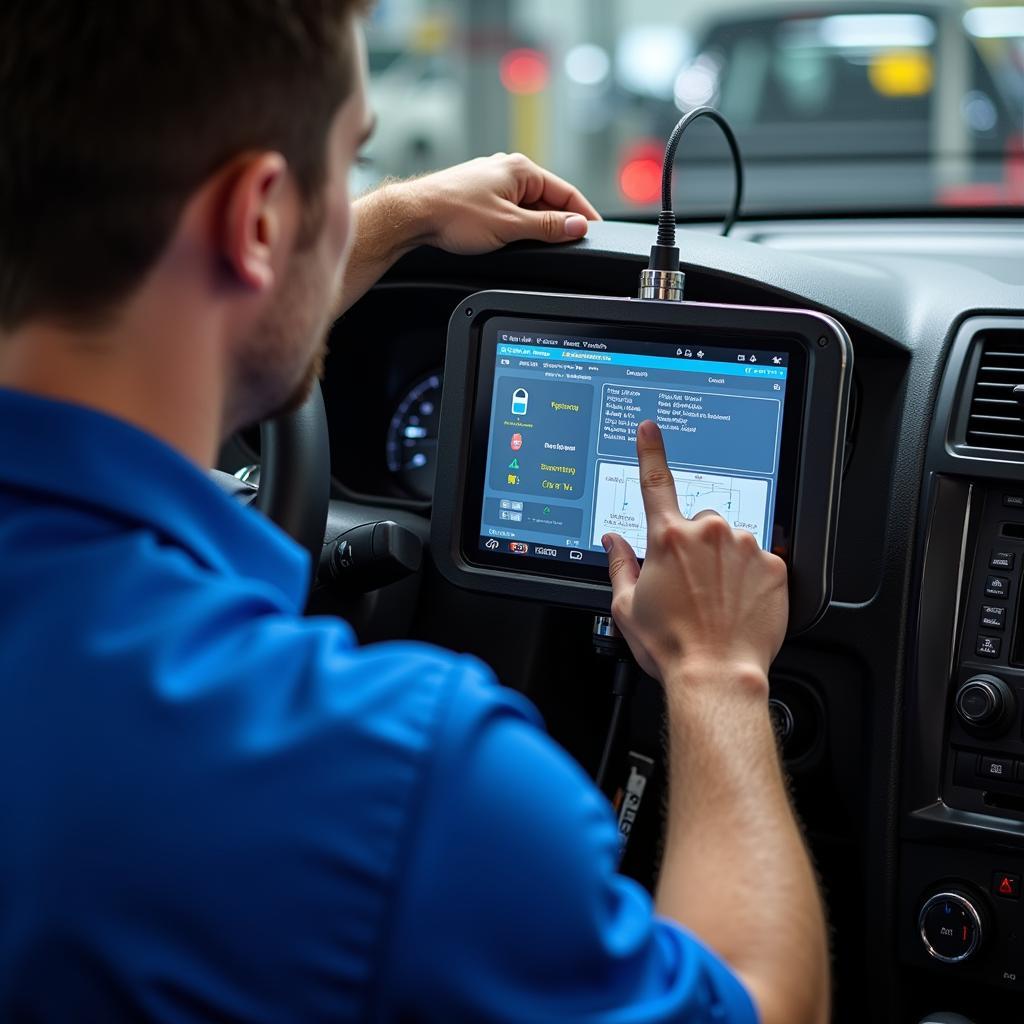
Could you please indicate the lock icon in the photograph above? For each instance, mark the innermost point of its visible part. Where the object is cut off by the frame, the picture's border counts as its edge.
(520, 401)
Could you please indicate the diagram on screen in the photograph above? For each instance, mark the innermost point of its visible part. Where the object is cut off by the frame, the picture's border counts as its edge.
(619, 505)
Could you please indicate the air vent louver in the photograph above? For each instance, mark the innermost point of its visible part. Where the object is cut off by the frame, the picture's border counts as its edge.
(997, 413)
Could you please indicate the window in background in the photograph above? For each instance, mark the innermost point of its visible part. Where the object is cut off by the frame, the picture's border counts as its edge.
(838, 105)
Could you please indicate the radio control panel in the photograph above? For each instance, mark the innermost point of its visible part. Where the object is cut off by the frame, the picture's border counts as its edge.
(985, 753)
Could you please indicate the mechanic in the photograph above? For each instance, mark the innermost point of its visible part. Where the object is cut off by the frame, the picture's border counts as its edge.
(212, 808)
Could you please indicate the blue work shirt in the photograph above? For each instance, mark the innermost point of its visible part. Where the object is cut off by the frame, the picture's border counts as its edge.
(214, 809)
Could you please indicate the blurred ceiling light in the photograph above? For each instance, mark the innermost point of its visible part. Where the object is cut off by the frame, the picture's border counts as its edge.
(648, 58)
(524, 71)
(697, 84)
(995, 22)
(587, 64)
(877, 31)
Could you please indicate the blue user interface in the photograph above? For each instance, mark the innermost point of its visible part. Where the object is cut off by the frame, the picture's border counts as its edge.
(561, 466)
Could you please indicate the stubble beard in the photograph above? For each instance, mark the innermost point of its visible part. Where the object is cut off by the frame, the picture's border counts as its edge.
(300, 313)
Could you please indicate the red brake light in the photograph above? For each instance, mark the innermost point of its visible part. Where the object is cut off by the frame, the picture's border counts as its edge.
(524, 71)
(640, 175)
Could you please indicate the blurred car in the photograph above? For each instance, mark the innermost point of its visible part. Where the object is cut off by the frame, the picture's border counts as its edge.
(889, 104)
(421, 102)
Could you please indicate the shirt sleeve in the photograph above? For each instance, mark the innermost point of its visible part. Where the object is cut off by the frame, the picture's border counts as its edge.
(510, 907)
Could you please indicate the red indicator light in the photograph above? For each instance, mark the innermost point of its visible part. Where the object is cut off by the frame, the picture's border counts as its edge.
(524, 72)
(640, 181)
(1006, 887)
(640, 176)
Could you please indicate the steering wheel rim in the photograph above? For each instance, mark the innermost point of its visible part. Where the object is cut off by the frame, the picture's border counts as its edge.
(295, 473)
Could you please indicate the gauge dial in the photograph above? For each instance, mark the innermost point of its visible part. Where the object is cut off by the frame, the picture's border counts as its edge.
(412, 437)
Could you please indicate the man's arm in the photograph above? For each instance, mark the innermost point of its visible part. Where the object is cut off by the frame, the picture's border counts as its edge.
(510, 907)
(706, 615)
(473, 208)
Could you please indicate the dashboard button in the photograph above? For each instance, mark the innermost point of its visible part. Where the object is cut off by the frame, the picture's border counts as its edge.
(993, 616)
(988, 646)
(950, 927)
(1013, 500)
(997, 586)
(1006, 885)
(998, 768)
(985, 704)
(1001, 560)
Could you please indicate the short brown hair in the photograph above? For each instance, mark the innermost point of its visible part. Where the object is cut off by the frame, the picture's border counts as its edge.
(112, 112)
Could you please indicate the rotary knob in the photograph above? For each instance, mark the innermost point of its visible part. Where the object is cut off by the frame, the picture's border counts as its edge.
(951, 927)
(985, 703)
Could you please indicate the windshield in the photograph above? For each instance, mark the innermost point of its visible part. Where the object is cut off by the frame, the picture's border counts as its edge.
(839, 106)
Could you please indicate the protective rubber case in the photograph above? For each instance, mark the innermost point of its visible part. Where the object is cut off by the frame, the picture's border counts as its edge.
(815, 461)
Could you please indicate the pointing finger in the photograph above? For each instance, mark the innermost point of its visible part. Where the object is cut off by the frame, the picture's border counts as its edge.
(656, 481)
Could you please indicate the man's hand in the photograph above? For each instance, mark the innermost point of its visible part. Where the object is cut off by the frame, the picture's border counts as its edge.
(706, 615)
(707, 595)
(479, 206)
(472, 208)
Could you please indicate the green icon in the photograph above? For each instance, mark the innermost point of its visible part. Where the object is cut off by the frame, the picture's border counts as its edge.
(547, 510)
(514, 464)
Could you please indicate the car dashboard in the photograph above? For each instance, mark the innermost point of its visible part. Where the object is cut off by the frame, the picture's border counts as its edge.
(911, 787)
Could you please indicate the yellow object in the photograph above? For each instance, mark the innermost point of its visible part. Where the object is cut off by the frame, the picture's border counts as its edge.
(900, 73)
(528, 125)
(431, 35)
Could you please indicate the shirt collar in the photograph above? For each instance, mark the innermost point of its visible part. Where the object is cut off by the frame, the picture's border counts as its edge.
(80, 456)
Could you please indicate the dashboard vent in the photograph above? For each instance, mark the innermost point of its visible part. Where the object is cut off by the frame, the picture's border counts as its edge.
(996, 417)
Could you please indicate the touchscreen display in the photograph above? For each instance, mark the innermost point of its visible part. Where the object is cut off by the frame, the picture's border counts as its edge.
(561, 467)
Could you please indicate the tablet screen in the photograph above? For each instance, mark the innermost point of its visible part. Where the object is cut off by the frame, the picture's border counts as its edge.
(558, 406)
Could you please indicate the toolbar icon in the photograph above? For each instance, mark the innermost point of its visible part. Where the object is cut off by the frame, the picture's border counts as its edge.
(517, 547)
(492, 545)
(688, 353)
(700, 354)
(576, 556)
(777, 360)
(741, 359)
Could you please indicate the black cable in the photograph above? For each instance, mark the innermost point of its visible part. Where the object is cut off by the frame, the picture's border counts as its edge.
(664, 253)
(622, 683)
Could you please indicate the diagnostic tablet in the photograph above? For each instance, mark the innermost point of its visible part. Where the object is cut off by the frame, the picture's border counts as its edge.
(543, 395)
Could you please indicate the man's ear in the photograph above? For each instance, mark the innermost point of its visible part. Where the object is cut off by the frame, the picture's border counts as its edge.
(256, 225)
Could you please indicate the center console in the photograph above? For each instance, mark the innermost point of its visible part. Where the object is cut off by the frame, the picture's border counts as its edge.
(962, 850)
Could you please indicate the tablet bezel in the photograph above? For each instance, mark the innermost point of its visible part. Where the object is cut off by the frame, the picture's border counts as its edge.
(810, 466)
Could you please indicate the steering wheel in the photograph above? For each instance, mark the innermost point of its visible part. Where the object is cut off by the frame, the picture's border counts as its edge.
(359, 548)
(295, 474)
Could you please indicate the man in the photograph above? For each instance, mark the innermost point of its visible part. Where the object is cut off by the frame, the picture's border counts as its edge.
(212, 809)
